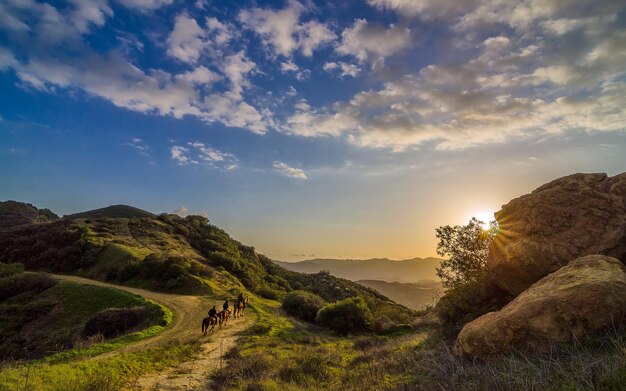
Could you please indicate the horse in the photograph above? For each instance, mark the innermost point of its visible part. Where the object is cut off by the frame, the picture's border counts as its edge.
(239, 306)
(208, 324)
(223, 317)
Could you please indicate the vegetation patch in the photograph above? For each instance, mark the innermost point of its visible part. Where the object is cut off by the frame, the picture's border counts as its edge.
(40, 316)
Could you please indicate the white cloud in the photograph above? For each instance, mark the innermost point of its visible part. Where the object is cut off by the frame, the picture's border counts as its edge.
(344, 68)
(425, 8)
(140, 146)
(281, 32)
(145, 5)
(288, 171)
(200, 75)
(178, 153)
(185, 42)
(183, 211)
(199, 153)
(373, 41)
(288, 66)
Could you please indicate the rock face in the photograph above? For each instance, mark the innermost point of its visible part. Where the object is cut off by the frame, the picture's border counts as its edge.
(585, 296)
(565, 219)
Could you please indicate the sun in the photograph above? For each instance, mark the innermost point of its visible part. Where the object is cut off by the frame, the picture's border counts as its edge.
(485, 217)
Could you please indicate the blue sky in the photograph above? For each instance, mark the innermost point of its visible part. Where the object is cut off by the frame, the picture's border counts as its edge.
(304, 128)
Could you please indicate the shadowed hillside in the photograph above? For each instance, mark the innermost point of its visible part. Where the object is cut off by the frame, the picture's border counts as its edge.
(113, 211)
(13, 214)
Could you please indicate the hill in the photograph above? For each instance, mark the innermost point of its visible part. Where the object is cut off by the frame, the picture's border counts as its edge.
(412, 295)
(169, 253)
(113, 212)
(406, 271)
(13, 214)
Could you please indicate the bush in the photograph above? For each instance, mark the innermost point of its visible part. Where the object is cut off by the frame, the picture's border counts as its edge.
(23, 283)
(303, 305)
(113, 322)
(10, 269)
(346, 316)
(466, 302)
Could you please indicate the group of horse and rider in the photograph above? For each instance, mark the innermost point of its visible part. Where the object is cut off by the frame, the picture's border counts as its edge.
(221, 318)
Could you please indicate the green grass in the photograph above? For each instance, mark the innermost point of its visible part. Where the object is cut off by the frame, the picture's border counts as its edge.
(110, 373)
(281, 354)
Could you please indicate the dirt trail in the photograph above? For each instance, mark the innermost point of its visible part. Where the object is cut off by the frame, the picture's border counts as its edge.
(188, 312)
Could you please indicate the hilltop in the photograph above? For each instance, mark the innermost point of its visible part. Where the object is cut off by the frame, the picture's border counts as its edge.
(13, 214)
(112, 212)
(406, 271)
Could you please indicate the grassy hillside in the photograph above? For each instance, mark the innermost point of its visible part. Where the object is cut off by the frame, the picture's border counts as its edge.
(40, 316)
(173, 254)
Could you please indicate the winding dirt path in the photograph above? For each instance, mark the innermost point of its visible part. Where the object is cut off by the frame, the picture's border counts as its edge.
(188, 312)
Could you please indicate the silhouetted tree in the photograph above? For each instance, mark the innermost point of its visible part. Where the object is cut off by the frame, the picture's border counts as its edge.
(465, 248)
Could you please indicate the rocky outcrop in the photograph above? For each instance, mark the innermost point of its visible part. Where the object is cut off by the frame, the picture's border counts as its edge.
(13, 214)
(587, 295)
(567, 218)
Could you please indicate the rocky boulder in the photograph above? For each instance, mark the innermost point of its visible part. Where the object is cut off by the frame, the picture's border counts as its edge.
(565, 219)
(585, 296)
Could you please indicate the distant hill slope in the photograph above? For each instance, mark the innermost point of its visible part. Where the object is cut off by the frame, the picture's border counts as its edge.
(408, 270)
(113, 212)
(413, 295)
(13, 214)
(169, 253)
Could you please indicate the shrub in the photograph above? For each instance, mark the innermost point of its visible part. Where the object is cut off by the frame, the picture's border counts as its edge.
(466, 302)
(346, 316)
(10, 269)
(114, 322)
(303, 305)
(31, 284)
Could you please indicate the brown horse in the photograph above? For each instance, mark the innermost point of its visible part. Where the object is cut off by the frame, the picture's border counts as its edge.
(223, 317)
(209, 323)
(240, 305)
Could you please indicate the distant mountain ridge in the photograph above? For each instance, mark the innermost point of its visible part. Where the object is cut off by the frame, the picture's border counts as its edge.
(112, 212)
(406, 271)
(412, 295)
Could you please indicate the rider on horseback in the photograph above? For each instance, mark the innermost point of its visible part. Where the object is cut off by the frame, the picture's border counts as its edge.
(241, 299)
(213, 313)
(225, 306)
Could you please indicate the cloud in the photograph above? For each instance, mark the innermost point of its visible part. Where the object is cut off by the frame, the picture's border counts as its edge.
(179, 153)
(145, 5)
(183, 211)
(288, 171)
(345, 68)
(425, 8)
(185, 42)
(372, 41)
(140, 146)
(199, 153)
(281, 31)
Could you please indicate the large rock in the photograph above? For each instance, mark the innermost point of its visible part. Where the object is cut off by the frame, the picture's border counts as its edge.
(565, 219)
(585, 296)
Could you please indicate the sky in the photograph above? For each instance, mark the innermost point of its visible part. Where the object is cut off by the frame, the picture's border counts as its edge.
(349, 129)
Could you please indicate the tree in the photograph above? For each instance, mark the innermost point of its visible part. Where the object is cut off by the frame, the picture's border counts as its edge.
(303, 304)
(465, 248)
(345, 316)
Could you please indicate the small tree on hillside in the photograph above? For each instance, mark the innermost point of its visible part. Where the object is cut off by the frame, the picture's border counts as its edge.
(346, 316)
(465, 248)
